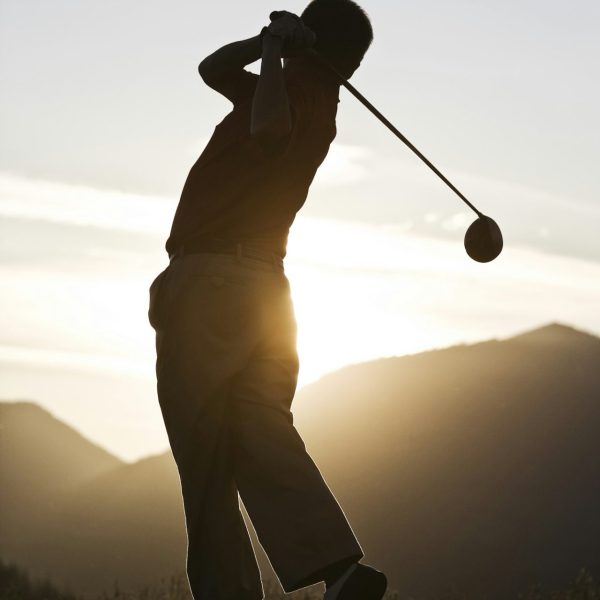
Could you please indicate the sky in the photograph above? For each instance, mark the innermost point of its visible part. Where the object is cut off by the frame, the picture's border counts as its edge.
(103, 113)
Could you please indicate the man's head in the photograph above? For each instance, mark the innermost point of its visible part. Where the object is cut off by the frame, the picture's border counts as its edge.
(343, 30)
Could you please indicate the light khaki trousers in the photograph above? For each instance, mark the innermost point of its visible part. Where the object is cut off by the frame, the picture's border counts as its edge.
(226, 373)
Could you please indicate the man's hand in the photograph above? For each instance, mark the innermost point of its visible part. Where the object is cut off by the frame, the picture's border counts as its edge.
(297, 38)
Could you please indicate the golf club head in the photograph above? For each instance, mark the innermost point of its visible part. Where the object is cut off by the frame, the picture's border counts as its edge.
(483, 240)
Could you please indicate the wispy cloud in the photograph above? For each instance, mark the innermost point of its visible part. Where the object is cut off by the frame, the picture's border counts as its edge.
(360, 291)
(83, 205)
(395, 190)
(101, 281)
(354, 184)
(33, 357)
(344, 165)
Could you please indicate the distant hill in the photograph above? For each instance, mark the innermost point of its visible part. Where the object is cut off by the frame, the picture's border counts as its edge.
(473, 468)
(71, 511)
(41, 459)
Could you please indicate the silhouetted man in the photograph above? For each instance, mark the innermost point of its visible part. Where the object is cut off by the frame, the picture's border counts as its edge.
(227, 364)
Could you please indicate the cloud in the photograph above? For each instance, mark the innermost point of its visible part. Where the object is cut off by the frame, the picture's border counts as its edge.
(355, 183)
(360, 291)
(344, 165)
(457, 222)
(31, 357)
(84, 205)
(393, 190)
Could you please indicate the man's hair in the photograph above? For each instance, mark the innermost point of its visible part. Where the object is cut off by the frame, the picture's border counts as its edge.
(343, 30)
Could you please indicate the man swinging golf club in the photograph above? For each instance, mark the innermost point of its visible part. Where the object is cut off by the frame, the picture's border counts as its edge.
(226, 363)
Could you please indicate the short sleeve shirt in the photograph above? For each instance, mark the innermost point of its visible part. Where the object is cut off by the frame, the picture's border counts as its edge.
(235, 191)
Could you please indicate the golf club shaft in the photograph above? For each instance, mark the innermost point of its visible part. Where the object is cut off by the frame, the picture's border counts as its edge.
(393, 129)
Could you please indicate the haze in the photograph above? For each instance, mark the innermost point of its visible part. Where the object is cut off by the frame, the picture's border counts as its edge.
(103, 113)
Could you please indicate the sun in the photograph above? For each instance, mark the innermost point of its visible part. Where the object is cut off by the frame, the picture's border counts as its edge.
(347, 310)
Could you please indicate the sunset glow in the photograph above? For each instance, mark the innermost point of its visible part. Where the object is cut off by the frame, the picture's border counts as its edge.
(98, 138)
(360, 292)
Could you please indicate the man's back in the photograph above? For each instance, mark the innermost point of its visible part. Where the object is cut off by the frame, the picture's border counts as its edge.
(236, 190)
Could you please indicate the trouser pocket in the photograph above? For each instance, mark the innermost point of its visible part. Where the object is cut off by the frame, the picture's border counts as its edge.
(155, 304)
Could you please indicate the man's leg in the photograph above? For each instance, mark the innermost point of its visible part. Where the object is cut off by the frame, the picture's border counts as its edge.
(220, 560)
(297, 519)
(200, 343)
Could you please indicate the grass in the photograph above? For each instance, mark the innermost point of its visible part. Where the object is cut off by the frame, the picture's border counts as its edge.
(16, 584)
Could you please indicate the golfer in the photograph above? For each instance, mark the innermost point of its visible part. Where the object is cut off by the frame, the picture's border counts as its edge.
(227, 363)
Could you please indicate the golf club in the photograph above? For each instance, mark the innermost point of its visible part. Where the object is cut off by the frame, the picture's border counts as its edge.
(483, 240)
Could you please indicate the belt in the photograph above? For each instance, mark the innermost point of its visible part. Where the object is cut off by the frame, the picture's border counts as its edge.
(221, 246)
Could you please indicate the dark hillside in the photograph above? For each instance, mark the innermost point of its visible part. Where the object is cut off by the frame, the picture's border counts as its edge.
(41, 460)
(473, 468)
(482, 459)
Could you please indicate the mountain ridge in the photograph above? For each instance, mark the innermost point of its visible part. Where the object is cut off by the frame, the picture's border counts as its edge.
(471, 467)
(553, 331)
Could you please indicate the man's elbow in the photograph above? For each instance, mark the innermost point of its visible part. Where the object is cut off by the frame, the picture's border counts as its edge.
(205, 71)
(210, 71)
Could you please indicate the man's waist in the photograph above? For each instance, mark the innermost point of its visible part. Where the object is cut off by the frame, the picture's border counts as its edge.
(249, 245)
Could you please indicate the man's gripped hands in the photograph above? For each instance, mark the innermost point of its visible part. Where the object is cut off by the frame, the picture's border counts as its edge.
(296, 37)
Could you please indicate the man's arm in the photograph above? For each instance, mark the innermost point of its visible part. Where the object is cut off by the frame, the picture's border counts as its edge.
(228, 60)
(270, 119)
(223, 71)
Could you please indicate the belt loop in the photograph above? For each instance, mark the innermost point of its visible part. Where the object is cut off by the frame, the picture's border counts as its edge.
(238, 251)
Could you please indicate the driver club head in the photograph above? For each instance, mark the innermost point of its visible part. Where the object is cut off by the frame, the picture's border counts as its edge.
(483, 240)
